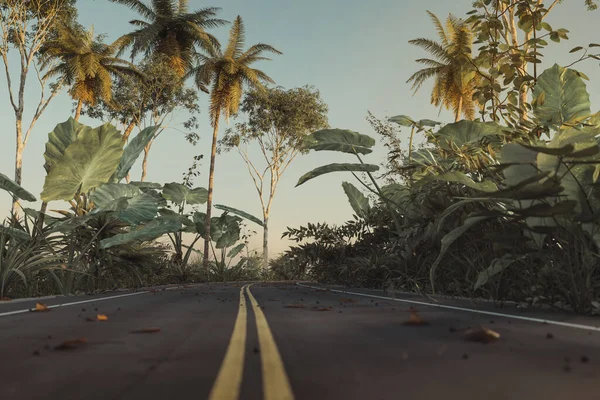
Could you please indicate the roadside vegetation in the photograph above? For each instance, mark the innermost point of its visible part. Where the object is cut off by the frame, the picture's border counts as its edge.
(502, 203)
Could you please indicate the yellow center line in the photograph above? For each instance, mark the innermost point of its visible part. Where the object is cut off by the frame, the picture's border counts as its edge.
(276, 385)
(229, 381)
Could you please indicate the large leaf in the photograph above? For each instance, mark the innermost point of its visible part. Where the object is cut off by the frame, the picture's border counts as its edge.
(152, 230)
(242, 214)
(146, 185)
(59, 139)
(110, 192)
(180, 194)
(358, 201)
(467, 132)
(227, 231)
(342, 140)
(15, 233)
(402, 120)
(15, 189)
(88, 162)
(459, 177)
(134, 206)
(133, 151)
(236, 250)
(560, 96)
(496, 267)
(326, 169)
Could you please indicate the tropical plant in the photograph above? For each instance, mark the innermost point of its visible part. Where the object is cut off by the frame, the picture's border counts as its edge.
(278, 122)
(455, 78)
(169, 30)
(84, 63)
(227, 72)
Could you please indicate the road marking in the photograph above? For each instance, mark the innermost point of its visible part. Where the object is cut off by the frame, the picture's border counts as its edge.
(495, 314)
(276, 385)
(4, 314)
(229, 381)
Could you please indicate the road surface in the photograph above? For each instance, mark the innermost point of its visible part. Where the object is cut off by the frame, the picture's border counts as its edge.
(285, 341)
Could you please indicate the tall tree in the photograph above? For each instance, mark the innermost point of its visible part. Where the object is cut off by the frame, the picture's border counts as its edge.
(171, 31)
(227, 72)
(451, 68)
(278, 122)
(25, 27)
(84, 63)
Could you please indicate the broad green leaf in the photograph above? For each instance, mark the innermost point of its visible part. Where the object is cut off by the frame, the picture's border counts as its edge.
(225, 230)
(132, 152)
(522, 163)
(326, 169)
(342, 140)
(236, 250)
(87, 163)
(459, 177)
(15, 233)
(402, 120)
(146, 185)
(59, 139)
(428, 122)
(152, 230)
(140, 209)
(199, 222)
(242, 214)
(467, 132)
(496, 267)
(108, 193)
(358, 201)
(566, 96)
(181, 194)
(15, 189)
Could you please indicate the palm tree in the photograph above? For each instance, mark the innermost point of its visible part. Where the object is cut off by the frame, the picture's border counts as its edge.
(85, 64)
(451, 68)
(171, 31)
(227, 73)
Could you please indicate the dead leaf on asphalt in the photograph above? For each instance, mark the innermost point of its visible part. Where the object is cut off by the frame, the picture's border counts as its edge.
(481, 335)
(90, 319)
(294, 306)
(415, 320)
(71, 344)
(321, 309)
(347, 300)
(6, 299)
(39, 307)
(147, 330)
(101, 317)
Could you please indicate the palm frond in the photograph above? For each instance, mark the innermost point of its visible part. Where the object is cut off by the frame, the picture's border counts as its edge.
(139, 7)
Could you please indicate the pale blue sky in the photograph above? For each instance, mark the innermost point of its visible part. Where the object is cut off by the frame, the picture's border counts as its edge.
(355, 52)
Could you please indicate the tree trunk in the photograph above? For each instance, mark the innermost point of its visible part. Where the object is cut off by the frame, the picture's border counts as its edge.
(145, 161)
(128, 131)
(78, 110)
(18, 162)
(458, 110)
(266, 242)
(211, 178)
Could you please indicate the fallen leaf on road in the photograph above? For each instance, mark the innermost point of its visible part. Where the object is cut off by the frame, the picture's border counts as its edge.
(40, 307)
(147, 330)
(5, 299)
(101, 317)
(482, 335)
(415, 319)
(294, 306)
(90, 319)
(71, 344)
(321, 308)
(347, 301)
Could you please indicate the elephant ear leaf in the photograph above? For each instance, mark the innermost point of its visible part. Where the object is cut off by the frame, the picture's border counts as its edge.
(134, 206)
(152, 230)
(15, 189)
(132, 152)
(59, 139)
(240, 213)
(560, 96)
(181, 194)
(88, 162)
(326, 169)
(341, 140)
(358, 201)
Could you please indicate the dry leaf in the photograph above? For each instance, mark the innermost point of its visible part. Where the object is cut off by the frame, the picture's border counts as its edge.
(482, 335)
(90, 319)
(321, 308)
(415, 319)
(71, 344)
(294, 306)
(147, 330)
(347, 301)
(101, 317)
(5, 299)
(40, 307)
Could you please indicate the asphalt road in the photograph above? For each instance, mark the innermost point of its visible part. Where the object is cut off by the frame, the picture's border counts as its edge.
(208, 342)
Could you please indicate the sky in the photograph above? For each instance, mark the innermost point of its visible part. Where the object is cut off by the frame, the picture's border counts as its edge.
(356, 53)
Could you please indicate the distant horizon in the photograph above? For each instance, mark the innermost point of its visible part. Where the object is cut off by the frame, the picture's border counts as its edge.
(356, 55)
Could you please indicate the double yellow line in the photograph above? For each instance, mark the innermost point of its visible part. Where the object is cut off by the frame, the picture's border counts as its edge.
(276, 385)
